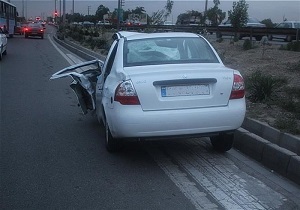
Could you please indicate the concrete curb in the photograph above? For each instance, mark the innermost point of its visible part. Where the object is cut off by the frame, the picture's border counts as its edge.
(274, 149)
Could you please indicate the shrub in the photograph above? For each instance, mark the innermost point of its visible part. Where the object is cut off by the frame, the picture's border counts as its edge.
(101, 44)
(292, 46)
(247, 44)
(262, 87)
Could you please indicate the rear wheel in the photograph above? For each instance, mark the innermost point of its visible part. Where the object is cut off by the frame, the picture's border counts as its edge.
(270, 37)
(112, 144)
(26, 36)
(5, 52)
(42, 37)
(223, 142)
(289, 38)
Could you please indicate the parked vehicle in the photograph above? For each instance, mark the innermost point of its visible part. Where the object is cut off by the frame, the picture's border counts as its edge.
(3, 43)
(19, 28)
(252, 22)
(285, 24)
(161, 85)
(34, 29)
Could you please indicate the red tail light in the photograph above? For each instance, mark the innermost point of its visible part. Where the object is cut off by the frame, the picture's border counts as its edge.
(126, 94)
(238, 87)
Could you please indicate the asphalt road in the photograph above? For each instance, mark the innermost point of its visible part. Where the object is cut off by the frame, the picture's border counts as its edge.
(53, 157)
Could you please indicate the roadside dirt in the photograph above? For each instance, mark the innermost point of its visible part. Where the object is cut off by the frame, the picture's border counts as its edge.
(271, 61)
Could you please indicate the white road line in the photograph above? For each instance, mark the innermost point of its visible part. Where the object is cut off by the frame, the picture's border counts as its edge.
(55, 46)
(188, 188)
(217, 175)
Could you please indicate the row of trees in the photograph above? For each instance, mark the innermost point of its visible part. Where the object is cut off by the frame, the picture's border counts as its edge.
(213, 16)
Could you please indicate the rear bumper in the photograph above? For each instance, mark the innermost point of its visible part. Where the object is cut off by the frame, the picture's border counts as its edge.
(131, 121)
(34, 34)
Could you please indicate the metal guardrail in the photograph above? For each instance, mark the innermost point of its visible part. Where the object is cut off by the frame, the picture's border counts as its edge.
(216, 29)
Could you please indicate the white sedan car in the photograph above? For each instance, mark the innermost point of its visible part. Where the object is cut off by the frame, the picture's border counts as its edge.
(3, 43)
(161, 85)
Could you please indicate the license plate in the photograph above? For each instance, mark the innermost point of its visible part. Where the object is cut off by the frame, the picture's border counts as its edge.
(184, 90)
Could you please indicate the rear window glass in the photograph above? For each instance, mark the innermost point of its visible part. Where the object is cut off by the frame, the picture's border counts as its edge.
(156, 51)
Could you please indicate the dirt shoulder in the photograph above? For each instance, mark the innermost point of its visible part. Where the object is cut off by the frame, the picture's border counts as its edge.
(277, 63)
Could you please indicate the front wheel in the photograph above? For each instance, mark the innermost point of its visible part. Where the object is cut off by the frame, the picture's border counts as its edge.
(112, 144)
(223, 142)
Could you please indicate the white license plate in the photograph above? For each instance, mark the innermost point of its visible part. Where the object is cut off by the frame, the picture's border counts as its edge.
(184, 90)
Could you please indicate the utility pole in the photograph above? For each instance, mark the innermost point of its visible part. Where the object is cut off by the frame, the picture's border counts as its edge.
(89, 7)
(205, 12)
(55, 12)
(118, 15)
(64, 12)
(73, 7)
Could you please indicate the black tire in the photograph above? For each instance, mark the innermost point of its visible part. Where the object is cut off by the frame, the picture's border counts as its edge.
(258, 38)
(270, 37)
(0, 55)
(289, 38)
(5, 52)
(42, 37)
(26, 36)
(223, 142)
(112, 144)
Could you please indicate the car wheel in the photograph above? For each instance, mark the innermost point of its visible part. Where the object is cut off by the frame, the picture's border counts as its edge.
(112, 144)
(270, 37)
(26, 36)
(42, 37)
(258, 38)
(289, 38)
(223, 142)
(5, 52)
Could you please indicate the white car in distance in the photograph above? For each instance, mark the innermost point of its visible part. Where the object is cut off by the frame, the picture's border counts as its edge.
(161, 85)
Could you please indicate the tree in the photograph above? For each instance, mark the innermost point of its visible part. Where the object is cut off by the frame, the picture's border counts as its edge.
(238, 15)
(168, 8)
(215, 15)
(189, 17)
(101, 11)
(268, 22)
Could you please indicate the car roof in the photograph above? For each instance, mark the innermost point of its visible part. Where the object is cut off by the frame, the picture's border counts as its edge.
(137, 35)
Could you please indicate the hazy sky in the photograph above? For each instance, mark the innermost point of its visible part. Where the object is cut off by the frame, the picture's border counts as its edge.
(276, 10)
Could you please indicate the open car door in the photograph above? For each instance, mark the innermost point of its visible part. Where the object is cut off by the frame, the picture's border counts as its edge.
(85, 77)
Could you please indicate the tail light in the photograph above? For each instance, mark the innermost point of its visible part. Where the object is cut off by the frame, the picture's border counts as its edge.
(238, 87)
(126, 94)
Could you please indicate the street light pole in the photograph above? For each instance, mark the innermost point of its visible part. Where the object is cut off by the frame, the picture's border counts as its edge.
(73, 7)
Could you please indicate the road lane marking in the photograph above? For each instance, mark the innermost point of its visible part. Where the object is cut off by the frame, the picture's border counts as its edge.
(60, 52)
(213, 174)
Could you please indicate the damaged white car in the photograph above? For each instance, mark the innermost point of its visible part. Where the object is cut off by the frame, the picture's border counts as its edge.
(161, 85)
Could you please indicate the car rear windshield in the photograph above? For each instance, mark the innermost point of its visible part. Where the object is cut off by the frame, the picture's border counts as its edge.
(157, 51)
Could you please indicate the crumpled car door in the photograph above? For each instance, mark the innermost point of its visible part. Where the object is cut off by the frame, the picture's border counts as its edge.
(84, 77)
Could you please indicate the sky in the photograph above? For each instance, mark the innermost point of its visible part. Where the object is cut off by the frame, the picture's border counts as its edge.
(274, 9)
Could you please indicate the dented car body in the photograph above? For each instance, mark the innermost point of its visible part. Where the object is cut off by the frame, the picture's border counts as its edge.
(162, 85)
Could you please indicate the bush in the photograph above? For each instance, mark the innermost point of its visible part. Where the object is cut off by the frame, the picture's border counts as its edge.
(262, 87)
(247, 44)
(292, 46)
(101, 44)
